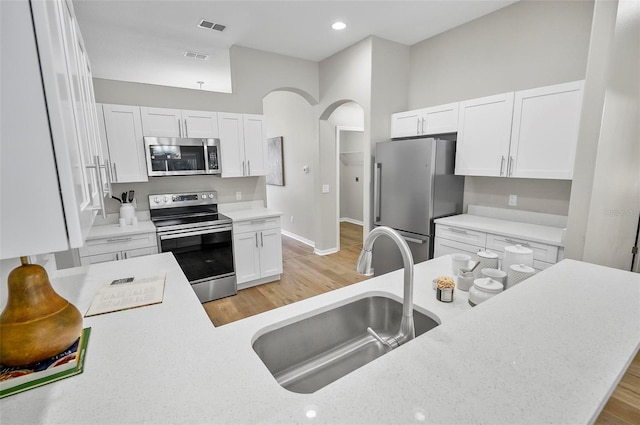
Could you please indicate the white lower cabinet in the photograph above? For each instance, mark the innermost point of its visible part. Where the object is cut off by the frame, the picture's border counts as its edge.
(257, 246)
(451, 239)
(121, 247)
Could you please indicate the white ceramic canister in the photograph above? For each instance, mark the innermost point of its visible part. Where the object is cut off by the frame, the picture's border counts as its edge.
(517, 273)
(127, 212)
(458, 260)
(516, 254)
(495, 274)
(483, 289)
(488, 260)
(464, 280)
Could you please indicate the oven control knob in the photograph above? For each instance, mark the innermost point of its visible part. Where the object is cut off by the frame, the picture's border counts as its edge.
(165, 199)
(211, 196)
(204, 196)
(156, 199)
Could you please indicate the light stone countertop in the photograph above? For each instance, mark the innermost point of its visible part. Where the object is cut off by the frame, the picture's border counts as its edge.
(549, 350)
(515, 229)
(251, 214)
(111, 230)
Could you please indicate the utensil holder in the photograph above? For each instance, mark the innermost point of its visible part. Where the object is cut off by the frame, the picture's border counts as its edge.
(127, 212)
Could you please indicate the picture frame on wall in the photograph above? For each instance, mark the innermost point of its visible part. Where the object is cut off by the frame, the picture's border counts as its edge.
(275, 161)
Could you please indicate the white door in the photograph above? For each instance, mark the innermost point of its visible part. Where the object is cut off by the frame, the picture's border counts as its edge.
(440, 119)
(246, 256)
(545, 131)
(232, 144)
(406, 124)
(161, 122)
(123, 126)
(255, 145)
(270, 252)
(200, 124)
(484, 134)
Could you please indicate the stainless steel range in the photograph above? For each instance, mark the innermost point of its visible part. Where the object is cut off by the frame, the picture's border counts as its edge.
(189, 226)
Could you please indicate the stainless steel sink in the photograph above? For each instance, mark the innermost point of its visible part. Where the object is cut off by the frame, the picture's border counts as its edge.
(307, 355)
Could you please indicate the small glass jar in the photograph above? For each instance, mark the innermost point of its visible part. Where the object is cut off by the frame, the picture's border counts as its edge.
(444, 289)
(483, 289)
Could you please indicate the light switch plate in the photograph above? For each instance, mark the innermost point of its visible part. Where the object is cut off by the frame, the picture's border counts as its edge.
(513, 200)
(325, 188)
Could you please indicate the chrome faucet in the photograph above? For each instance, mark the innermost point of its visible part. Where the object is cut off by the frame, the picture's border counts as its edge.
(407, 329)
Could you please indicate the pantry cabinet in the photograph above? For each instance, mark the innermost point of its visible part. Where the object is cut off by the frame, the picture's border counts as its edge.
(122, 127)
(427, 121)
(242, 144)
(49, 117)
(530, 133)
(257, 245)
(164, 122)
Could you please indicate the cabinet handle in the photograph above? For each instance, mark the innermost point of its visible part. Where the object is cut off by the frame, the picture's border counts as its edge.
(516, 242)
(424, 126)
(261, 240)
(125, 255)
(510, 166)
(257, 221)
(107, 171)
(418, 126)
(117, 256)
(464, 232)
(186, 129)
(115, 173)
(243, 173)
(248, 167)
(119, 239)
(256, 240)
(501, 164)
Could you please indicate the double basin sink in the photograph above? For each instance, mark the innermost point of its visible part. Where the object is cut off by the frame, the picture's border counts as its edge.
(309, 354)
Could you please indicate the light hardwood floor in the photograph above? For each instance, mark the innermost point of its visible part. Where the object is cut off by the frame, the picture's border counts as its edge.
(306, 274)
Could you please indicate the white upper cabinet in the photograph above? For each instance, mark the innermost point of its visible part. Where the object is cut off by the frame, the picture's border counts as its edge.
(49, 116)
(529, 134)
(163, 122)
(242, 144)
(544, 134)
(484, 133)
(123, 132)
(428, 121)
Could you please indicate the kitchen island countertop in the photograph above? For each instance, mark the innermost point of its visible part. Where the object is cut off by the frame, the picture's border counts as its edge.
(550, 349)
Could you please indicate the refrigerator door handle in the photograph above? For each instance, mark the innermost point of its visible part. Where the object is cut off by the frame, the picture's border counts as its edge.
(413, 240)
(376, 191)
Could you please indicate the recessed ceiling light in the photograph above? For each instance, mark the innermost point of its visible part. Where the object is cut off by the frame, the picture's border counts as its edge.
(339, 25)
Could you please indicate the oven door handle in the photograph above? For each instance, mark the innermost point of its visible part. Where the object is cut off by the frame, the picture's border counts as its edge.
(181, 234)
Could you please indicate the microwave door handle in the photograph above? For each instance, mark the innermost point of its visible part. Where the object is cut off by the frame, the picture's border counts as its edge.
(206, 158)
(376, 191)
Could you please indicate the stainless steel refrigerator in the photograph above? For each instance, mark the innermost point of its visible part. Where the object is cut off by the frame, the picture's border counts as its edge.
(414, 183)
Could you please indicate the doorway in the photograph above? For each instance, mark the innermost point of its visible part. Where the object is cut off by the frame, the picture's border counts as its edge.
(349, 178)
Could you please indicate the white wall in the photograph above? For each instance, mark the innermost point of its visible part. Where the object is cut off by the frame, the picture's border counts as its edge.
(527, 44)
(351, 172)
(614, 198)
(292, 117)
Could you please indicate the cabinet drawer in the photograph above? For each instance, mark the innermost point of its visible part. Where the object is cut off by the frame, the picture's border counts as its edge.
(541, 252)
(118, 243)
(460, 234)
(118, 255)
(256, 224)
(446, 247)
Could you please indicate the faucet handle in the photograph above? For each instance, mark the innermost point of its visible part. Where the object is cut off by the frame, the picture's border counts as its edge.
(383, 341)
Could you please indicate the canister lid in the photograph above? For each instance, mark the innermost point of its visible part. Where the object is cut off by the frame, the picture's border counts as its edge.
(522, 268)
(518, 249)
(487, 254)
(488, 285)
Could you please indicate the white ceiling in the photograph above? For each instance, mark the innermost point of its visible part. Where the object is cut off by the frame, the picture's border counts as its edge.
(144, 40)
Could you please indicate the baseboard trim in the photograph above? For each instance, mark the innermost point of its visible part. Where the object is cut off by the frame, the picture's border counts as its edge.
(352, 221)
(298, 238)
(325, 251)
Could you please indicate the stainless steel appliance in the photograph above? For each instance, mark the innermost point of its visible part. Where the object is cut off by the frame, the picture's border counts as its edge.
(174, 156)
(414, 183)
(200, 238)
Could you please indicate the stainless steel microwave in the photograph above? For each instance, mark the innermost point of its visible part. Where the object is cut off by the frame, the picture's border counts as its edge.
(178, 156)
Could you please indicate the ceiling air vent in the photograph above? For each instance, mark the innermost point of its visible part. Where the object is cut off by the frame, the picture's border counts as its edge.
(196, 55)
(211, 25)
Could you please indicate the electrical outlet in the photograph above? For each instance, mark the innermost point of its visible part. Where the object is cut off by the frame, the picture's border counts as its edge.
(325, 188)
(238, 196)
(513, 200)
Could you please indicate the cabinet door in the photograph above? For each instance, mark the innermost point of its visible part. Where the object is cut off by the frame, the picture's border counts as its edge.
(270, 252)
(232, 144)
(161, 122)
(484, 133)
(545, 131)
(406, 124)
(246, 256)
(123, 126)
(255, 145)
(200, 124)
(440, 119)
